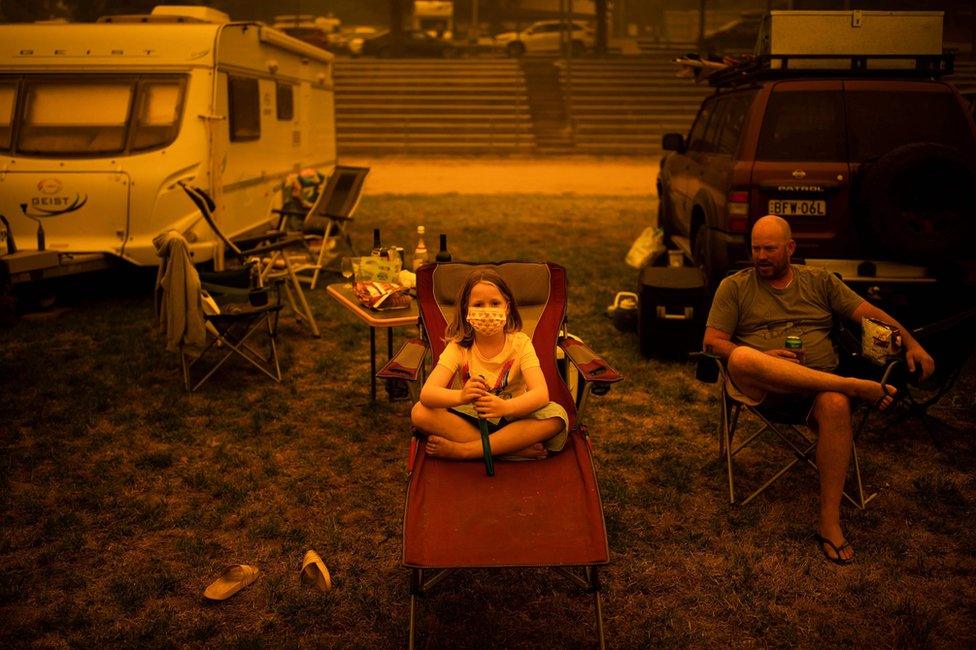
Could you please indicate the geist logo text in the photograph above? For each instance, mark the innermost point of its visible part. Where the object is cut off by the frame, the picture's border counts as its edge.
(52, 200)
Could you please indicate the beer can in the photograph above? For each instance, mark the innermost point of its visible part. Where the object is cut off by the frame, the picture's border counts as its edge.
(795, 345)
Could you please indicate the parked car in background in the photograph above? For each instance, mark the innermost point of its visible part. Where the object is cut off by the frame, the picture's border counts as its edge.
(319, 31)
(353, 38)
(735, 37)
(544, 36)
(409, 42)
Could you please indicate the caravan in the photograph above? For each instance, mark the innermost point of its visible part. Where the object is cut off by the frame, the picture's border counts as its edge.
(98, 122)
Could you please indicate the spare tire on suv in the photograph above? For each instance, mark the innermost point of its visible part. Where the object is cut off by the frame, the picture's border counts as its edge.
(917, 204)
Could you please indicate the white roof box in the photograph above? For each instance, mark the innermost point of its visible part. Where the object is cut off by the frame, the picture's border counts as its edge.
(851, 32)
(201, 14)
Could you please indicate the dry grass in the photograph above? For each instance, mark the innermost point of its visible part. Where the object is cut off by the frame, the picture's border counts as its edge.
(121, 496)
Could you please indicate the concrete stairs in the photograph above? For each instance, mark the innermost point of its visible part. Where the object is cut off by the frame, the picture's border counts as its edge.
(619, 105)
(624, 105)
(432, 106)
(547, 105)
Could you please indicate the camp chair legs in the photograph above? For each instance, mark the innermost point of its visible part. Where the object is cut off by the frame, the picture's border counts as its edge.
(239, 345)
(293, 288)
(589, 581)
(328, 251)
(804, 451)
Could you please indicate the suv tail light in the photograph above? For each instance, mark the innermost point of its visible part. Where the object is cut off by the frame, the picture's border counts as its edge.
(737, 210)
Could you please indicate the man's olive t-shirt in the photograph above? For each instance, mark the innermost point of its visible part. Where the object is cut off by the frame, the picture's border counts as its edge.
(758, 315)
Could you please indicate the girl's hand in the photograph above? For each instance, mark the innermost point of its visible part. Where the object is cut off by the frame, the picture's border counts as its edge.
(491, 406)
(473, 389)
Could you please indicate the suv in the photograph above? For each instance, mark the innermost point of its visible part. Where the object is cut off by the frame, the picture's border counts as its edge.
(544, 36)
(874, 170)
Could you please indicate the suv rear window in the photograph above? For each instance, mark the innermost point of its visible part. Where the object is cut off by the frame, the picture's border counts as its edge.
(874, 128)
(803, 125)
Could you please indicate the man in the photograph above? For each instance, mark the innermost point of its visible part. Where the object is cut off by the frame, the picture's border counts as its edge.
(755, 310)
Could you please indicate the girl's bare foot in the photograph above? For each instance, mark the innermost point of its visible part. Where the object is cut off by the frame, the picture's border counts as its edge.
(873, 392)
(444, 448)
(535, 452)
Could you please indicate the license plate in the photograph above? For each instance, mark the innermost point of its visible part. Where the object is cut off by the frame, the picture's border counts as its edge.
(798, 208)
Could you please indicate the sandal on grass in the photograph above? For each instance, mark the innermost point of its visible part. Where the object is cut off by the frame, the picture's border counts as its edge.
(315, 573)
(233, 579)
(821, 540)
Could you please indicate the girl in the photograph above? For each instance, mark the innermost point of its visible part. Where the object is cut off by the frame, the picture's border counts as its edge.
(500, 378)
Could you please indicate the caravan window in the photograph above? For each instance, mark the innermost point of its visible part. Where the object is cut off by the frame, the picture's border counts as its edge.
(285, 101)
(90, 115)
(8, 92)
(245, 109)
(75, 117)
(157, 114)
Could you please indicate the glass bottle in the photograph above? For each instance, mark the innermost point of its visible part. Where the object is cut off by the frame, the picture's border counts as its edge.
(443, 255)
(377, 247)
(420, 252)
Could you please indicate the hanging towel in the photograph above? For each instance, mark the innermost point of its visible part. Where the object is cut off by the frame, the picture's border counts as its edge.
(179, 305)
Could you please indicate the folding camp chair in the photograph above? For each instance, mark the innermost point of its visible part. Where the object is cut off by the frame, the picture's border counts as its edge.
(327, 220)
(267, 249)
(239, 312)
(230, 310)
(786, 422)
(529, 514)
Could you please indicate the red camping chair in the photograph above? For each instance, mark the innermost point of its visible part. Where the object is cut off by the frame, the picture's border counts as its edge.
(529, 514)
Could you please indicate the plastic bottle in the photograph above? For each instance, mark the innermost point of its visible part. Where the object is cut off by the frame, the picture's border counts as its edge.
(443, 255)
(420, 252)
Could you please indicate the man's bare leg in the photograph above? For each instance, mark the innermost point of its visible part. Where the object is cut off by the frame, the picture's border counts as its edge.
(756, 373)
(832, 411)
(518, 437)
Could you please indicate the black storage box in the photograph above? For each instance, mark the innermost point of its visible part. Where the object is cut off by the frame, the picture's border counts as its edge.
(672, 311)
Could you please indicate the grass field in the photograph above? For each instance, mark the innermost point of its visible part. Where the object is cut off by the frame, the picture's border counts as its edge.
(122, 497)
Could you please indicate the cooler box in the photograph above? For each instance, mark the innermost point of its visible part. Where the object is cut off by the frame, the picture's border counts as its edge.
(671, 311)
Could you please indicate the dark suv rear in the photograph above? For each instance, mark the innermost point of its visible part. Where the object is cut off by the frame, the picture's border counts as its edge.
(866, 166)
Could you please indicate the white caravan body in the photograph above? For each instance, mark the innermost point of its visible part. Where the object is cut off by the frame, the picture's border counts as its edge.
(99, 121)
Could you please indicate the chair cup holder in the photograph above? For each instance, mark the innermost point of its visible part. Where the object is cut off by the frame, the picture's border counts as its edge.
(258, 297)
(707, 368)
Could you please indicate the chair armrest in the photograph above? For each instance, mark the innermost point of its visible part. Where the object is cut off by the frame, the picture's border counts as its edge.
(290, 213)
(275, 246)
(592, 367)
(245, 243)
(406, 363)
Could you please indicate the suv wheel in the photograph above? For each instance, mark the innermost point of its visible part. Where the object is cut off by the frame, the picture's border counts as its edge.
(665, 216)
(917, 203)
(515, 49)
(702, 252)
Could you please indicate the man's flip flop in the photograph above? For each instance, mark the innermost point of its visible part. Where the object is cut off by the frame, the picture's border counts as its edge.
(821, 540)
(887, 394)
(233, 579)
(314, 572)
(894, 380)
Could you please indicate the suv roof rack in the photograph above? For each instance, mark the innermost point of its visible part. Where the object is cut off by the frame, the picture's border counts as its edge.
(930, 66)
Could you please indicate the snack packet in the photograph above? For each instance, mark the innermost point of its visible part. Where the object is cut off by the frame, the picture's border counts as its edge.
(382, 296)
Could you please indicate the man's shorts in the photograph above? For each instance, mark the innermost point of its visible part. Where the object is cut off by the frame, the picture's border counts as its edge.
(550, 410)
(794, 405)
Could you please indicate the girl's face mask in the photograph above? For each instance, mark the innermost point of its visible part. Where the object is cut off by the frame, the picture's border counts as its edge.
(487, 321)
